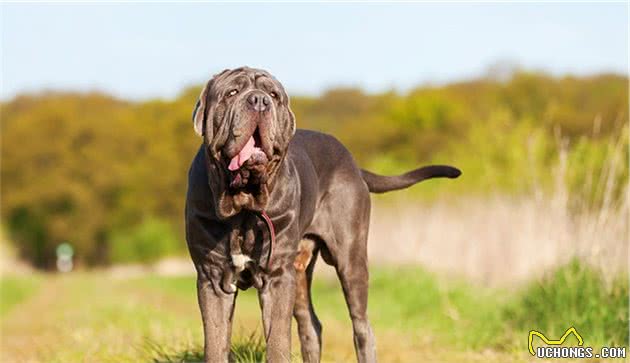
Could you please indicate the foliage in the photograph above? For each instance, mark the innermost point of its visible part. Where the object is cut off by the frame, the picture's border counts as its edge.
(86, 168)
(598, 170)
(146, 242)
(574, 295)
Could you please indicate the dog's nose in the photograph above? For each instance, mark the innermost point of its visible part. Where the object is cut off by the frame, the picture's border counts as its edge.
(258, 101)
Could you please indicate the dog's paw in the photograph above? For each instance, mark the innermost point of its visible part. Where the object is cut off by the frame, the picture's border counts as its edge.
(239, 261)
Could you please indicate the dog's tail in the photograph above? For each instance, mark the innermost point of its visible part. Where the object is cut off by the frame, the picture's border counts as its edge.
(381, 184)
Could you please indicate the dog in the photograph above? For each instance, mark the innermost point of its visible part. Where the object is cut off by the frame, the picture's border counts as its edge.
(264, 201)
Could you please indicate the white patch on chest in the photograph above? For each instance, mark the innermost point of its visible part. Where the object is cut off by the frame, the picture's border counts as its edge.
(239, 261)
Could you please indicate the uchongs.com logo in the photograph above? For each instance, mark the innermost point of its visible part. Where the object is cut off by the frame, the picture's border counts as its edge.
(555, 348)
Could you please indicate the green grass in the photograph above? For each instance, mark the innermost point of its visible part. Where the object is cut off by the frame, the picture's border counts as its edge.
(402, 298)
(14, 290)
(574, 295)
(458, 313)
(413, 313)
(248, 349)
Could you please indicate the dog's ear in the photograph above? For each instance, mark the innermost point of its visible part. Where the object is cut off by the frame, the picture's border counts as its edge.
(200, 113)
(287, 119)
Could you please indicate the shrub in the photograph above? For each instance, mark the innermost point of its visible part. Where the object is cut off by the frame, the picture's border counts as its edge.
(149, 241)
(574, 295)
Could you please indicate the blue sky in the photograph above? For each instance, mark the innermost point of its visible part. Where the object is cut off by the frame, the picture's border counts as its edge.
(142, 51)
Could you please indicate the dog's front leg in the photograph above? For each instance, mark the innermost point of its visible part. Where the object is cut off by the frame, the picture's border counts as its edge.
(217, 310)
(276, 300)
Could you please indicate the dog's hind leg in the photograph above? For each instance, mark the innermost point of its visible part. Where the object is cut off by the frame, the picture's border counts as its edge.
(354, 281)
(309, 326)
(350, 260)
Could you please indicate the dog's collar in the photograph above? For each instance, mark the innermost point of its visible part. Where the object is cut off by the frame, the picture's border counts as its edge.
(272, 236)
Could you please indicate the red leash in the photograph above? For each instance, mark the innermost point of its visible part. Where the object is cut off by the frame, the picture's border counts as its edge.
(272, 233)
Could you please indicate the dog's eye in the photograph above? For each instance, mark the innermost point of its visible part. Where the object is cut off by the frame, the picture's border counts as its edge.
(232, 92)
(274, 95)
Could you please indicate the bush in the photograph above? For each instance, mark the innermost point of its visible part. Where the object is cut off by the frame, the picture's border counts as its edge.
(574, 295)
(149, 241)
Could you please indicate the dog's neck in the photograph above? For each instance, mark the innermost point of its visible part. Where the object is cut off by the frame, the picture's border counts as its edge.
(229, 203)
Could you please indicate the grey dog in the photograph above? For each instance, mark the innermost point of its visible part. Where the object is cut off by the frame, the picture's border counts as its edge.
(264, 200)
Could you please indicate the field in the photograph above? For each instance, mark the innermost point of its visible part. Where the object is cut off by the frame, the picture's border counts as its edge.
(139, 315)
(92, 317)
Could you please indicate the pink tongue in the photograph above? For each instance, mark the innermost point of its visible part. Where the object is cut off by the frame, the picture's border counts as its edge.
(240, 159)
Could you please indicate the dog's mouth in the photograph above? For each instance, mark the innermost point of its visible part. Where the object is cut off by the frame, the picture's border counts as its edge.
(251, 150)
(249, 166)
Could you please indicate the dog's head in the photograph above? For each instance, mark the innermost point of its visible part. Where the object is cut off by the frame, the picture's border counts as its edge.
(244, 118)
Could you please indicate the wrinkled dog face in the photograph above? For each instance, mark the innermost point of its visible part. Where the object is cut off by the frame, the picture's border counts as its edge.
(245, 120)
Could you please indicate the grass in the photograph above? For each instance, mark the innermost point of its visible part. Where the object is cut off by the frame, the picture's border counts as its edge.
(14, 290)
(574, 295)
(93, 317)
(248, 349)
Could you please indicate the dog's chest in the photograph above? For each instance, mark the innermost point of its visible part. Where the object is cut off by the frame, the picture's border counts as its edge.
(249, 252)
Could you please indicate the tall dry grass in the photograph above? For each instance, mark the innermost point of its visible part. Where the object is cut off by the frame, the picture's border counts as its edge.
(501, 239)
